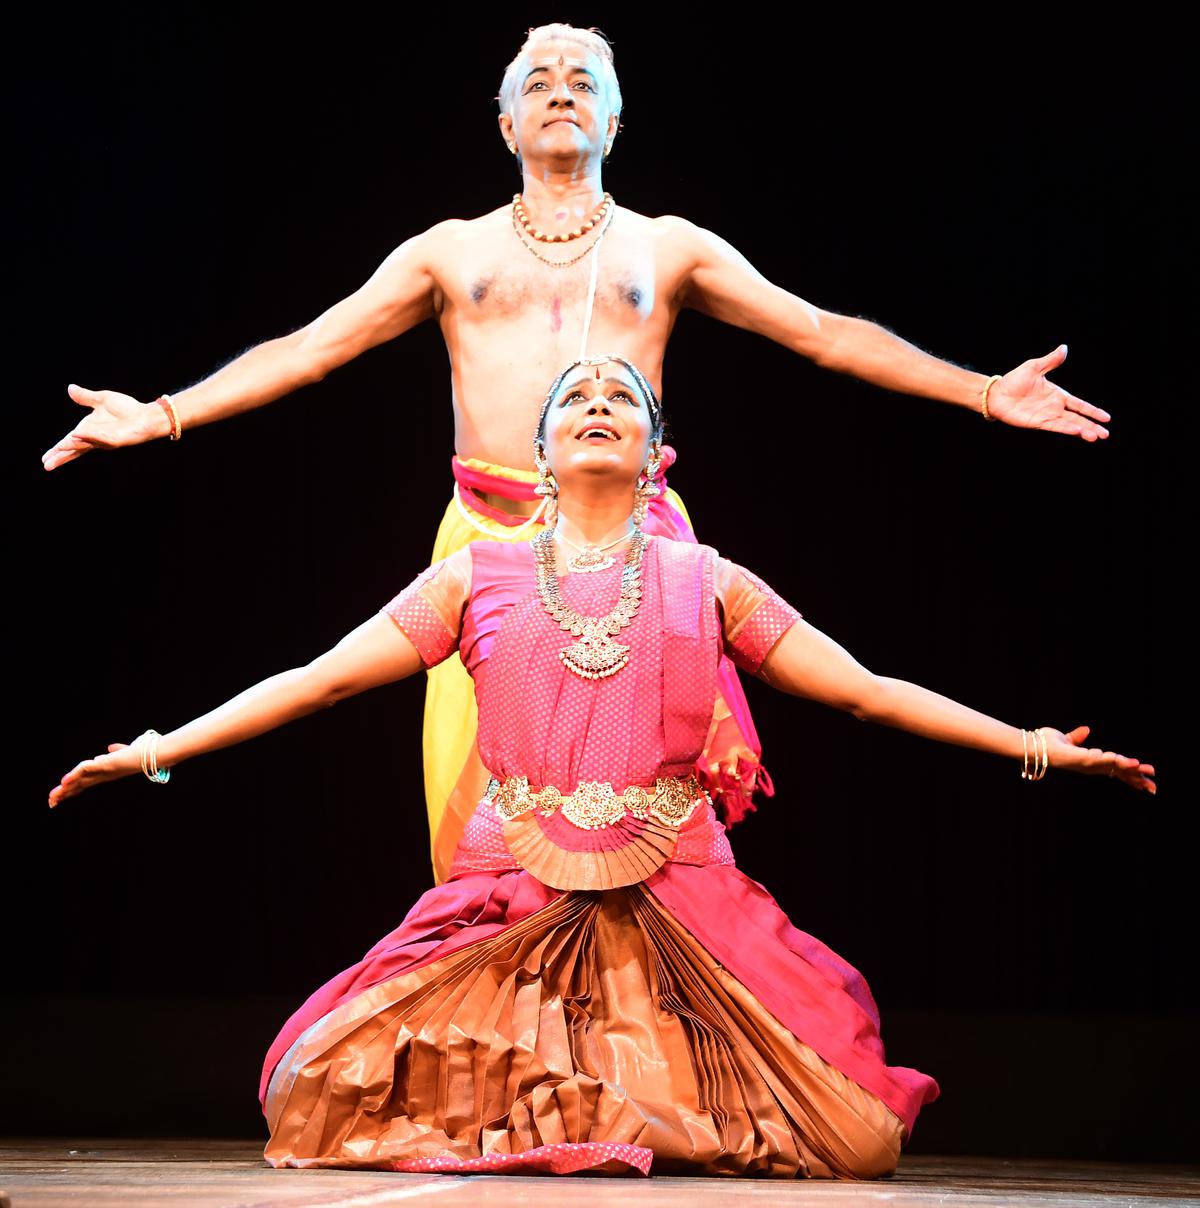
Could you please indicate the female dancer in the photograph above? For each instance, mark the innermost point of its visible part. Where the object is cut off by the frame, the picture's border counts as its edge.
(596, 985)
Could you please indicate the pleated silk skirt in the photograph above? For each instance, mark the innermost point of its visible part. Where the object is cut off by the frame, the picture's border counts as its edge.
(596, 1033)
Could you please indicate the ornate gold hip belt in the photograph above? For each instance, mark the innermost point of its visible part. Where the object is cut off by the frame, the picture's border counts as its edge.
(595, 804)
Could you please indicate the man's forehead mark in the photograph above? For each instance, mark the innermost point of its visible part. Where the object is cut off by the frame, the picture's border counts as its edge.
(574, 64)
(575, 70)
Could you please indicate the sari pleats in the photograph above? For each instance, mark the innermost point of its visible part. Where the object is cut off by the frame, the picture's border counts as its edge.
(596, 1033)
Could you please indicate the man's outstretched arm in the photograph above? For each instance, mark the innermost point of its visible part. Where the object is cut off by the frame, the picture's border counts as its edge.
(724, 284)
(399, 295)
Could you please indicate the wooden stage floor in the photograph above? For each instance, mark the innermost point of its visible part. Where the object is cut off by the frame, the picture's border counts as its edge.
(223, 1174)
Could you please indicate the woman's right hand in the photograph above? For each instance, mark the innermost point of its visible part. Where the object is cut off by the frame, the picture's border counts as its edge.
(122, 760)
(113, 421)
(1067, 751)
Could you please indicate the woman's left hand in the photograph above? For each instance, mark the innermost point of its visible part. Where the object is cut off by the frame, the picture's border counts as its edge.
(121, 760)
(1026, 398)
(1067, 751)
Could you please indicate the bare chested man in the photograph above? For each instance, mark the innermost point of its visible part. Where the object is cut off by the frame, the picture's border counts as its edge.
(514, 308)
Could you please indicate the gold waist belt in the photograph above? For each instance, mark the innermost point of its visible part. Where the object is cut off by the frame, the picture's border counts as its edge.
(595, 804)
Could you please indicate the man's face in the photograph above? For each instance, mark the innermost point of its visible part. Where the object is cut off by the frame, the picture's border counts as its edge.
(561, 108)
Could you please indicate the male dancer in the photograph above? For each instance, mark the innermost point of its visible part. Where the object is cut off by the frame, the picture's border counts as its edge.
(521, 291)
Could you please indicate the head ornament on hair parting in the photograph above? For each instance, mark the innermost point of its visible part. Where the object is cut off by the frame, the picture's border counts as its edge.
(605, 358)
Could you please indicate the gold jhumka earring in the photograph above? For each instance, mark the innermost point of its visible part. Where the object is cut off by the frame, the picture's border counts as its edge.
(647, 488)
(546, 487)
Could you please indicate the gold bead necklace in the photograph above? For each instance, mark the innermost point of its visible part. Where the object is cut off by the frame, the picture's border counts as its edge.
(520, 215)
(532, 249)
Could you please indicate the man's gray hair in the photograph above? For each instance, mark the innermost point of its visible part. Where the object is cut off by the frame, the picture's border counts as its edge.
(592, 40)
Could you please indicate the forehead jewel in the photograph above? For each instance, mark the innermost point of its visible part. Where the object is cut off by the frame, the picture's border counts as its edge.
(644, 387)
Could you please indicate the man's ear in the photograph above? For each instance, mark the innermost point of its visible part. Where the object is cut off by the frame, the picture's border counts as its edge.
(614, 124)
(506, 131)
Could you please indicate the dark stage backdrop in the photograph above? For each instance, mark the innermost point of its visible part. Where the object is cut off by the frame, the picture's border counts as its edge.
(191, 183)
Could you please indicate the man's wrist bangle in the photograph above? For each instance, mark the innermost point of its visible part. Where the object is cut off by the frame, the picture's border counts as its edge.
(983, 398)
(164, 401)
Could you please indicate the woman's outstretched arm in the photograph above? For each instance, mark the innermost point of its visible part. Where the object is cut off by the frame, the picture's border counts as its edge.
(805, 662)
(375, 653)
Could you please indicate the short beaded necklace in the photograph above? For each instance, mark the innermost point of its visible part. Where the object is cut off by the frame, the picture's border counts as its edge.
(521, 215)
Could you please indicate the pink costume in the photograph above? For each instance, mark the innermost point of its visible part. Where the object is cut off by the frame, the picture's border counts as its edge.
(730, 765)
(639, 998)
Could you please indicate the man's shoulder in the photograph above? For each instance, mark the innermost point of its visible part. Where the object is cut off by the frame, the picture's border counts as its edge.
(662, 226)
(676, 241)
(453, 237)
(465, 228)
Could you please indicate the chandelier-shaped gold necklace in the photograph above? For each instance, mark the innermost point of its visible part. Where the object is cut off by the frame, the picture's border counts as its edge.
(595, 655)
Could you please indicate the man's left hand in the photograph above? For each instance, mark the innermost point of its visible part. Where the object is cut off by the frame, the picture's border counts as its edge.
(1026, 398)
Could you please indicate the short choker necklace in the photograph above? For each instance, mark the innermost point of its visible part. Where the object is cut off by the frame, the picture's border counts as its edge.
(520, 215)
(591, 557)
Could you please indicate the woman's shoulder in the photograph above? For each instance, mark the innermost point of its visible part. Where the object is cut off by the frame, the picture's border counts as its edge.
(498, 562)
(684, 553)
(507, 558)
(501, 553)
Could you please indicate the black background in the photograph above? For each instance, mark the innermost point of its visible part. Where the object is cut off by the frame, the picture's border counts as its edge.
(190, 183)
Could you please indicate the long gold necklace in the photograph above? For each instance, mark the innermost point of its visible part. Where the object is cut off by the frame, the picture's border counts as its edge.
(595, 655)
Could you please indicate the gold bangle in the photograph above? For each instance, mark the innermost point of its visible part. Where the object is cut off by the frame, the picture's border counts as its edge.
(1041, 754)
(148, 749)
(165, 402)
(983, 398)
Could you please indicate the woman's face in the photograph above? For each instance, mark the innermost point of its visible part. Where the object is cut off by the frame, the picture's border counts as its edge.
(598, 427)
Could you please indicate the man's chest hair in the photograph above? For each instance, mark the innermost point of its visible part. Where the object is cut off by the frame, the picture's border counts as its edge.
(510, 286)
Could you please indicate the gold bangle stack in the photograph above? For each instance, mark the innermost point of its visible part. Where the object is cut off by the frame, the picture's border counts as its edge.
(1036, 740)
(148, 749)
(166, 403)
(983, 398)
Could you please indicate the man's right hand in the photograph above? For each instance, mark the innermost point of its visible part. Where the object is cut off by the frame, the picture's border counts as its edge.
(112, 422)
